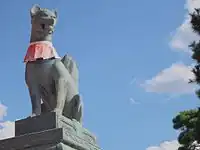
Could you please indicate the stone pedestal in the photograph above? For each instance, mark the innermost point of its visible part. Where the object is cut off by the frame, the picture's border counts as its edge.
(49, 132)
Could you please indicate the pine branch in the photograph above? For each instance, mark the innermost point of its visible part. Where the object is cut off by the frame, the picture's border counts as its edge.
(195, 21)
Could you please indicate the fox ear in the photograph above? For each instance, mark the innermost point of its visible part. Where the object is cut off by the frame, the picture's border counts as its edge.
(34, 10)
(55, 13)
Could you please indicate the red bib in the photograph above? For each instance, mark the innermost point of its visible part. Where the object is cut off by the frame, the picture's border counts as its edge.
(41, 49)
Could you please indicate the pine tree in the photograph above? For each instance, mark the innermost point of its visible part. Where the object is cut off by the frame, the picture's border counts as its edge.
(188, 122)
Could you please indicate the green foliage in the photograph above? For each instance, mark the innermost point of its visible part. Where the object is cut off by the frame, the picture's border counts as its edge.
(195, 46)
(185, 119)
(195, 21)
(183, 148)
(185, 122)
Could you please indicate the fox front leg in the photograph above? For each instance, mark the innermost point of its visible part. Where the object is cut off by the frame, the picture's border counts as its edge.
(61, 92)
(35, 101)
(59, 74)
(33, 88)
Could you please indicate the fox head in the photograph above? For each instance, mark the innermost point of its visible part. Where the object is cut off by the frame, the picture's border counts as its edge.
(43, 23)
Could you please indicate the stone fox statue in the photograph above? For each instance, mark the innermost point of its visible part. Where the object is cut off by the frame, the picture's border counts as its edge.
(48, 77)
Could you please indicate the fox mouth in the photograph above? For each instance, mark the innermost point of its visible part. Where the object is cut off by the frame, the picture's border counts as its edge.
(51, 29)
(48, 28)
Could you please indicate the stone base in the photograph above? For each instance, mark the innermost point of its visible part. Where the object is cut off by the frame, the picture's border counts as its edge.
(49, 132)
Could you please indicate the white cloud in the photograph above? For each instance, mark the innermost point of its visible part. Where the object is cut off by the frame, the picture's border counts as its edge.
(184, 35)
(168, 145)
(3, 111)
(8, 130)
(172, 80)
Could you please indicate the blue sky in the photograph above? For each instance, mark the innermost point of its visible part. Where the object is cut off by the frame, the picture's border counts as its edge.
(121, 47)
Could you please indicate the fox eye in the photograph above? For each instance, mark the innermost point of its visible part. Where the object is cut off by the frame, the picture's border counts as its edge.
(43, 26)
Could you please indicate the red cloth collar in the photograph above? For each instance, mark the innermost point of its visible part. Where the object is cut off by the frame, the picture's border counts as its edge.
(42, 49)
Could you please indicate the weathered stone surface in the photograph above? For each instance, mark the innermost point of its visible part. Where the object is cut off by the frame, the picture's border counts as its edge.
(47, 137)
(54, 139)
(59, 146)
(36, 124)
(52, 120)
(50, 132)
